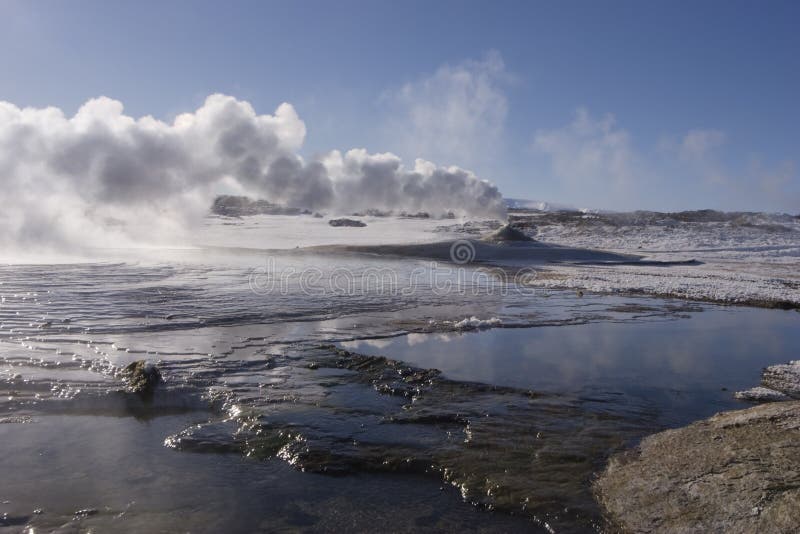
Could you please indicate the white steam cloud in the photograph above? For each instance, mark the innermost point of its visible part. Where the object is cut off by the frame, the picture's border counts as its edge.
(458, 114)
(102, 177)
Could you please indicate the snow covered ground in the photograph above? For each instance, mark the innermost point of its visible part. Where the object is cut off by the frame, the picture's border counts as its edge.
(778, 383)
(273, 232)
(740, 258)
(745, 258)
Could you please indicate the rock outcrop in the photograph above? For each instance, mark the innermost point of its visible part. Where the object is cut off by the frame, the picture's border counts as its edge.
(737, 471)
(346, 222)
(778, 382)
(141, 377)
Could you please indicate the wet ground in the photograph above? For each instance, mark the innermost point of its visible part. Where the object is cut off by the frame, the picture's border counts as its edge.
(278, 411)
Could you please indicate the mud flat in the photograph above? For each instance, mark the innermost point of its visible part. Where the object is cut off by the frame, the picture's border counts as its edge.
(737, 471)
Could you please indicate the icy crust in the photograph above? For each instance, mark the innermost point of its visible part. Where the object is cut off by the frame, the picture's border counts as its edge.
(473, 323)
(785, 378)
(709, 282)
(778, 383)
(761, 394)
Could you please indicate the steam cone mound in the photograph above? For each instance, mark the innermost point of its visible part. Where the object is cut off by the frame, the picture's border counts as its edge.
(507, 233)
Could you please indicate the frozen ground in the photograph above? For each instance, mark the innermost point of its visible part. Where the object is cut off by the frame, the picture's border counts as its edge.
(739, 258)
(291, 231)
(747, 258)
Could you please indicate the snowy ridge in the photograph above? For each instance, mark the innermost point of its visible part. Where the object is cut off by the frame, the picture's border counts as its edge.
(747, 258)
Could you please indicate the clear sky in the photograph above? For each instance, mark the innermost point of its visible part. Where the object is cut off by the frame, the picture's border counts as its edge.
(608, 104)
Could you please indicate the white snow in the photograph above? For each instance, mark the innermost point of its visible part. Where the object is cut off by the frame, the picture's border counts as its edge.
(784, 377)
(293, 231)
(778, 382)
(761, 394)
(753, 259)
(473, 323)
(748, 259)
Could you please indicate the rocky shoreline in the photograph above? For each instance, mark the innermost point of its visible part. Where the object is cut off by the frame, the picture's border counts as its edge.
(737, 471)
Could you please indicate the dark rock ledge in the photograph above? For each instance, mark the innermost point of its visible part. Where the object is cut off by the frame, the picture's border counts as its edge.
(347, 222)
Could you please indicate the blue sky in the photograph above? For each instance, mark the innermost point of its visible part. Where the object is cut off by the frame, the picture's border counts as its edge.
(608, 104)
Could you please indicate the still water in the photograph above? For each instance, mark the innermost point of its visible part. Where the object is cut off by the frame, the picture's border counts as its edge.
(685, 367)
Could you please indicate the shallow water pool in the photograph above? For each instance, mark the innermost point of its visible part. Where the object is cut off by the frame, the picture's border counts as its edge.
(685, 367)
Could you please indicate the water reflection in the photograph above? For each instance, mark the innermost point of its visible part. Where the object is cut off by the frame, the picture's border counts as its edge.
(688, 367)
(116, 472)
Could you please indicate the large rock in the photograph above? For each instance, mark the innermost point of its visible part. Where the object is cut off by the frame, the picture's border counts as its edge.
(141, 377)
(346, 222)
(735, 472)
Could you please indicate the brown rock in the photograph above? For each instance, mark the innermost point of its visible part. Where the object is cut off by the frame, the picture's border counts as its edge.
(737, 471)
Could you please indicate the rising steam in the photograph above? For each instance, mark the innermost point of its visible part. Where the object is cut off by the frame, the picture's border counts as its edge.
(102, 177)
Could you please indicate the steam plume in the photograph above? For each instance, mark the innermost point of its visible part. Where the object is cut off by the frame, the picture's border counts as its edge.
(102, 177)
